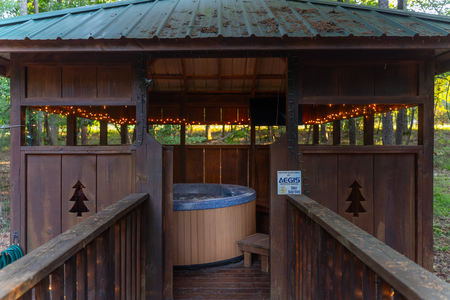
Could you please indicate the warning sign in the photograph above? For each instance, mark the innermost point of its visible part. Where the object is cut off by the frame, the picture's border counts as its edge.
(289, 182)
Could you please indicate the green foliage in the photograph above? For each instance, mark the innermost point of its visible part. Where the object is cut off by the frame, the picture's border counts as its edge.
(4, 100)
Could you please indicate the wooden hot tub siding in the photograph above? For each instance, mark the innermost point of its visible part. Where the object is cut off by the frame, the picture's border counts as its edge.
(206, 236)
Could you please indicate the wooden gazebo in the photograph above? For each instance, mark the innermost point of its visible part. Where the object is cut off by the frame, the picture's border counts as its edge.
(329, 61)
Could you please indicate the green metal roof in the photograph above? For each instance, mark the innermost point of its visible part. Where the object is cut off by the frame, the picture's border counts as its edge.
(175, 19)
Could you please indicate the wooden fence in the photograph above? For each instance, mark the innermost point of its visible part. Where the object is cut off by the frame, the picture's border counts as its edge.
(330, 258)
(102, 257)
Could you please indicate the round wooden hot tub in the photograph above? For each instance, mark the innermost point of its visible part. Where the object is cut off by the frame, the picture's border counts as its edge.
(207, 221)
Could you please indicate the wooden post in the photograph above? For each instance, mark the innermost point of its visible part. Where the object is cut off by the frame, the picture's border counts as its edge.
(368, 129)
(17, 139)
(124, 134)
(337, 132)
(103, 133)
(182, 159)
(426, 138)
(253, 157)
(283, 156)
(71, 138)
(168, 218)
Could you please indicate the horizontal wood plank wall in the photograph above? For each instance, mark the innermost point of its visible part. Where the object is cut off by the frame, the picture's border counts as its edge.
(363, 79)
(388, 183)
(80, 82)
(205, 236)
(49, 186)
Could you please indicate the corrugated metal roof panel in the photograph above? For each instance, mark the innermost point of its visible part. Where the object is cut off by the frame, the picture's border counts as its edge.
(173, 19)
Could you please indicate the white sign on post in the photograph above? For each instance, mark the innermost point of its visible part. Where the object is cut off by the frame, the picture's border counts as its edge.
(289, 182)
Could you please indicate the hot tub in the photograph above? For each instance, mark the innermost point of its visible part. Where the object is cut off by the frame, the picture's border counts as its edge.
(207, 221)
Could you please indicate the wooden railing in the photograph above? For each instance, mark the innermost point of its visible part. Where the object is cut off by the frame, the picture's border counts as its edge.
(330, 258)
(102, 257)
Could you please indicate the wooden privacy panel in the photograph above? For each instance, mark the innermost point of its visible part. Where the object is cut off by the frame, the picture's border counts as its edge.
(262, 175)
(212, 165)
(43, 199)
(235, 166)
(321, 80)
(387, 183)
(194, 165)
(114, 82)
(43, 82)
(113, 178)
(79, 82)
(50, 177)
(82, 168)
(379, 79)
(394, 201)
(84, 82)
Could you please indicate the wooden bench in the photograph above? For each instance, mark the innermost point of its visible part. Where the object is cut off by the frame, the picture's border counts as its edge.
(257, 243)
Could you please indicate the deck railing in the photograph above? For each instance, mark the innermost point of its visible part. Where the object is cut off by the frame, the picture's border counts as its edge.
(100, 258)
(330, 258)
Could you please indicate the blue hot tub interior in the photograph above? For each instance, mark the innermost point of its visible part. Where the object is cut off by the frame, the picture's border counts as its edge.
(196, 196)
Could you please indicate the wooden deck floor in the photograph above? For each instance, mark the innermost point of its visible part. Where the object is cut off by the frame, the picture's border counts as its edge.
(228, 282)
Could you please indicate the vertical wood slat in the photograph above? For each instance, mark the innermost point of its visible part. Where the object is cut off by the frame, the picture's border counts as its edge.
(117, 261)
(128, 258)
(42, 289)
(123, 256)
(70, 276)
(133, 255)
(57, 284)
(369, 283)
(104, 273)
(91, 269)
(82, 286)
(27, 296)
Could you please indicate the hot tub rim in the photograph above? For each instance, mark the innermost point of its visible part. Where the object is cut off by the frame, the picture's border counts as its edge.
(246, 195)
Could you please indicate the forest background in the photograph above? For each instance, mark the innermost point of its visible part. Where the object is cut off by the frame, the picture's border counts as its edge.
(393, 128)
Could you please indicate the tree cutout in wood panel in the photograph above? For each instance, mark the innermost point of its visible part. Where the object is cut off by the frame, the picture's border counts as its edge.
(355, 198)
(79, 197)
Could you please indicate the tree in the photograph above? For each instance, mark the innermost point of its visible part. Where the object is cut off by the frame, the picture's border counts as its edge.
(400, 123)
(78, 197)
(388, 129)
(352, 131)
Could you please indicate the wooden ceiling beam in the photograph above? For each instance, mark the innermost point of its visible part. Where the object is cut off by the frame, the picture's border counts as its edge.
(4, 67)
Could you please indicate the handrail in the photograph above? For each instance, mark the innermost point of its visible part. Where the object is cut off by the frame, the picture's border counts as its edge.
(21, 276)
(403, 275)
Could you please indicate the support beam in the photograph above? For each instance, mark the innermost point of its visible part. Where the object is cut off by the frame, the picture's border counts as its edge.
(337, 132)
(71, 138)
(284, 154)
(103, 133)
(368, 129)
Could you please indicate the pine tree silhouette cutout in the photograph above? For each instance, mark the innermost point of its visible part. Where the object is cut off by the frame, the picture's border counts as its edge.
(355, 198)
(79, 198)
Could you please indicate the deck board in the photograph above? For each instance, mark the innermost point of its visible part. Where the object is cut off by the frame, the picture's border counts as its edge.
(233, 281)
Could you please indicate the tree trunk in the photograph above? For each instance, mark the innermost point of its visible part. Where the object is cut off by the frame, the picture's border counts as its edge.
(46, 130)
(383, 3)
(388, 129)
(323, 133)
(352, 131)
(309, 134)
(411, 125)
(208, 132)
(84, 135)
(133, 139)
(400, 121)
(401, 4)
(36, 6)
(223, 131)
(23, 7)
(54, 128)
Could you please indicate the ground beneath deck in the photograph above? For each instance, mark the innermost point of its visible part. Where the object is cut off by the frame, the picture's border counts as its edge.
(233, 281)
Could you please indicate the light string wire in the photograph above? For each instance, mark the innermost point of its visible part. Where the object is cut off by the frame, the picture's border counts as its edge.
(291, 108)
